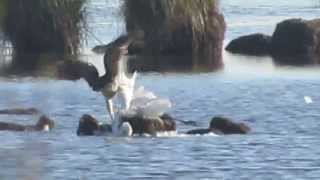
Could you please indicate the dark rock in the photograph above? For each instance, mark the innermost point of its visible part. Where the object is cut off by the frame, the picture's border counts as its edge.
(296, 42)
(221, 125)
(142, 125)
(254, 44)
(20, 111)
(41, 125)
(227, 126)
(89, 126)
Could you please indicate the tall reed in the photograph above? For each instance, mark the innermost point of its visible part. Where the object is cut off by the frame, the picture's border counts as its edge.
(38, 27)
(194, 27)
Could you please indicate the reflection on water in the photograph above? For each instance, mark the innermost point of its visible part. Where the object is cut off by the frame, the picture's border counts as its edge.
(263, 15)
(264, 66)
(24, 160)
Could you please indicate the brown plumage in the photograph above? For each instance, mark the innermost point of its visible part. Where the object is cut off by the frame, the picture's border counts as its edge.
(113, 54)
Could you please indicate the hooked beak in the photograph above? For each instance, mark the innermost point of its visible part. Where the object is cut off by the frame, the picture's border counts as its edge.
(124, 50)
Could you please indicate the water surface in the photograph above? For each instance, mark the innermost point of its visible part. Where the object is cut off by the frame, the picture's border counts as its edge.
(284, 143)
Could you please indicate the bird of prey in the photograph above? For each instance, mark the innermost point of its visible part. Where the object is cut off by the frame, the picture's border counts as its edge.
(116, 79)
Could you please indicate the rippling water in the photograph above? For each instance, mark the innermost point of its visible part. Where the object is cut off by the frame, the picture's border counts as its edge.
(284, 143)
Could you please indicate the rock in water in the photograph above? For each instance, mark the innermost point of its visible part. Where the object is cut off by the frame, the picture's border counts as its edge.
(89, 126)
(129, 125)
(254, 44)
(222, 125)
(152, 126)
(296, 42)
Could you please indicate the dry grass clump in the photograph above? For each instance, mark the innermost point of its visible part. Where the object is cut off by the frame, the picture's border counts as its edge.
(37, 27)
(178, 27)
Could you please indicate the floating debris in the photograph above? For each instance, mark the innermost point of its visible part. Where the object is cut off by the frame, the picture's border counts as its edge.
(308, 99)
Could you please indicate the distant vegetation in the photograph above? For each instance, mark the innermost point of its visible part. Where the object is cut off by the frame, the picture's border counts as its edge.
(43, 31)
(193, 28)
(3, 11)
(41, 28)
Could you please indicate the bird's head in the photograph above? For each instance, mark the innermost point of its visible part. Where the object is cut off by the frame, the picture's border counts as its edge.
(122, 44)
(88, 126)
(44, 123)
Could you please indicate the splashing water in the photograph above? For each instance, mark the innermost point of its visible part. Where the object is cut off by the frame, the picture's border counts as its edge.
(148, 105)
(143, 103)
(131, 102)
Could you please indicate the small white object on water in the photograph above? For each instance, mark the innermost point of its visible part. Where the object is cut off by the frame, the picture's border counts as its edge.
(308, 99)
(126, 129)
(46, 128)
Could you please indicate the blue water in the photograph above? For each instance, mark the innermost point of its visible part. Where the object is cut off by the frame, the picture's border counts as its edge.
(284, 143)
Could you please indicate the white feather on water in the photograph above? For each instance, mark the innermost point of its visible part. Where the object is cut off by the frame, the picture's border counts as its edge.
(308, 99)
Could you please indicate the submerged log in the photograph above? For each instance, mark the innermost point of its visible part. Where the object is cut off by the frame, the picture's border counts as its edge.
(192, 30)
